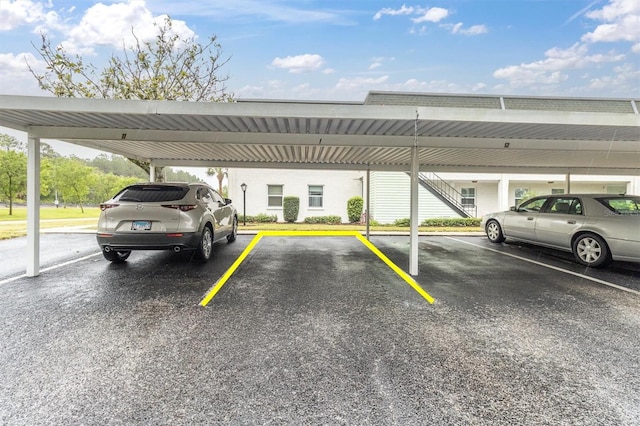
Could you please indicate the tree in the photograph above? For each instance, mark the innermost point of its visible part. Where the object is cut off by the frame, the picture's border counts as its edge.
(75, 180)
(219, 173)
(13, 169)
(170, 67)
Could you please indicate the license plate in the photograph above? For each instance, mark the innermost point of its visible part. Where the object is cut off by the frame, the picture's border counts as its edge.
(140, 225)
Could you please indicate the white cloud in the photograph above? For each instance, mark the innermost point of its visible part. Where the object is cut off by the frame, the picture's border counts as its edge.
(473, 30)
(14, 14)
(15, 77)
(114, 25)
(434, 14)
(375, 65)
(299, 64)
(621, 22)
(404, 10)
(328, 71)
(17, 64)
(351, 84)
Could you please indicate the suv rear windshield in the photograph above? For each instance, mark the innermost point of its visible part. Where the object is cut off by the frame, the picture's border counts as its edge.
(152, 193)
(622, 205)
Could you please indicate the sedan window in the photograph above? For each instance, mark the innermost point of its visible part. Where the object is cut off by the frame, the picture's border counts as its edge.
(565, 205)
(622, 205)
(533, 205)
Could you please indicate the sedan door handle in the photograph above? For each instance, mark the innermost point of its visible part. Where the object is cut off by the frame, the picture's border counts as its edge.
(571, 222)
(529, 218)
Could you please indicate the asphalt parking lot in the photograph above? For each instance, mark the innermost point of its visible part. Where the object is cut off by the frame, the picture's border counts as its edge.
(318, 330)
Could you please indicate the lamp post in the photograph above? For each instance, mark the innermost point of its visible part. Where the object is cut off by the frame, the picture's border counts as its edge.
(244, 203)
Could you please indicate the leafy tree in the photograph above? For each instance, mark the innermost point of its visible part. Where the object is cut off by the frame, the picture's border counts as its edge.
(170, 67)
(179, 175)
(116, 165)
(13, 169)
(107, 185)
(219, 173)
(75, 180)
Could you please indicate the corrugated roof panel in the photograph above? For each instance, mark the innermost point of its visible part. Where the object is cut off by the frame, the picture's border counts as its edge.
(576, 105)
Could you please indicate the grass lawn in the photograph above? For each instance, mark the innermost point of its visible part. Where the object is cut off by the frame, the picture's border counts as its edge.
(50, 217)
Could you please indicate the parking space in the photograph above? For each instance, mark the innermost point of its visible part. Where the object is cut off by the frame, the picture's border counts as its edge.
(319, 330)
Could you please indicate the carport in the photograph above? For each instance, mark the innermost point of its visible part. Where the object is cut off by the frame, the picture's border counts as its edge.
(409, 132)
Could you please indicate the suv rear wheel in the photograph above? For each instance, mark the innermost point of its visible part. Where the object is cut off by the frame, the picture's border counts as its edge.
(203, 252)
(116, 256)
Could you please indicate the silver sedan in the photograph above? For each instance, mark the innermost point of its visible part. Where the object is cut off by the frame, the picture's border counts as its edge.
(596, 228)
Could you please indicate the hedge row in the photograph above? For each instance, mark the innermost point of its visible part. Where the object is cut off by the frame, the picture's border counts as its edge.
(457, 222)
(328, 220)
(259, 218)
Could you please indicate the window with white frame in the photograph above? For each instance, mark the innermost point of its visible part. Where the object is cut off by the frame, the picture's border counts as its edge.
(316, 193)
(275, 195)
(468, 197)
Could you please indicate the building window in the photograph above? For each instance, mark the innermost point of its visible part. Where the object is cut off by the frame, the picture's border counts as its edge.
(521, 194)
(275, 195)
(315, 195)
(557, 191)
(468, 197)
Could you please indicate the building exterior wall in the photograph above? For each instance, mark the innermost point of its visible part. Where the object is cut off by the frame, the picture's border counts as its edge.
(390, 191)
(337, 185)
(391, 199)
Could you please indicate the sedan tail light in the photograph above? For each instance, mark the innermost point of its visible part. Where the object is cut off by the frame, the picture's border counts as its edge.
(182, 207)
(105, 206)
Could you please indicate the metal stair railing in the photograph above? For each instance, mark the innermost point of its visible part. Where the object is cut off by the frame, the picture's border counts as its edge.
(448, 192)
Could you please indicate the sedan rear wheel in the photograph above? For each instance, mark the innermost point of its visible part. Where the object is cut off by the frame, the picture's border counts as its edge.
(494, 231)
(591, 250)
(205, 247)
(116, 256)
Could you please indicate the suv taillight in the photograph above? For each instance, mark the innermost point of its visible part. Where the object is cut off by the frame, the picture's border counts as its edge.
(182, 207)
(105, 206)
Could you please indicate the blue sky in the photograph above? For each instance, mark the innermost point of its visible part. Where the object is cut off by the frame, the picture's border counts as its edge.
(340, 50)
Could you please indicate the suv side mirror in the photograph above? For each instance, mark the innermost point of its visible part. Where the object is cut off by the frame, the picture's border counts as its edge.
(227, 201)
(513, 208)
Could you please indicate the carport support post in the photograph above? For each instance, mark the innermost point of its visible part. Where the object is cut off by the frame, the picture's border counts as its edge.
(413, 244)
(152, 173)
(367, 216)
(33, 206)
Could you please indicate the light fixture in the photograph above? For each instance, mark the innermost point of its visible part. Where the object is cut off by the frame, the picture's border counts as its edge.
(244, 203)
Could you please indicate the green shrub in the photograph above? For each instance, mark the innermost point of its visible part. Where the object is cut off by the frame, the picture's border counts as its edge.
(260, 218)
(327, 220)
(290, 208)
(354, 209)
(405, 221)
(452, 222)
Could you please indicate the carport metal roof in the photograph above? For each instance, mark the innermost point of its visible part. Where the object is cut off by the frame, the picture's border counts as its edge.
(452, 132)
(388, 131)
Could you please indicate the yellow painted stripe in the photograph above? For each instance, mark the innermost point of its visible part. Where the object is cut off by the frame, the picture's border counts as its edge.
(223, 279)
(396, 269)
(218, 285)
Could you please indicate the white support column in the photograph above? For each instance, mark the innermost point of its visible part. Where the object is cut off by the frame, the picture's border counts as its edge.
(152, 173)
(413, 244)
(368, 208)
(503, 193)
(568, 182)
(33, 207)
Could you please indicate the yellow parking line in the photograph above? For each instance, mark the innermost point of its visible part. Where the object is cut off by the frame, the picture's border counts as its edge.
(223, 279)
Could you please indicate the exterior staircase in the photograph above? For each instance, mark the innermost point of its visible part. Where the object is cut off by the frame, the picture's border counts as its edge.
(446, 193)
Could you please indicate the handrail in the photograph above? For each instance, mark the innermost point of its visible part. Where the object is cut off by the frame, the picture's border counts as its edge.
(447, 191)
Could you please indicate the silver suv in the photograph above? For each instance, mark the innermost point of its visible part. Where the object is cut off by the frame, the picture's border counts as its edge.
(165, 216)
